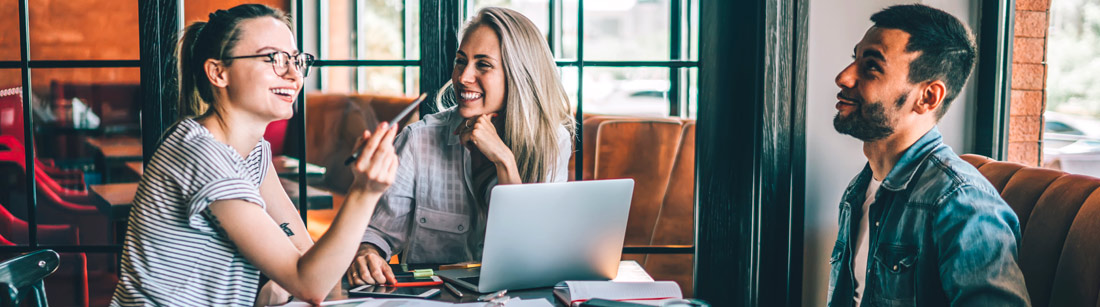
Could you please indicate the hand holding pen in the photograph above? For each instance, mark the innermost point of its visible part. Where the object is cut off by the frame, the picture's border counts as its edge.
(396, 121)
(376, 165)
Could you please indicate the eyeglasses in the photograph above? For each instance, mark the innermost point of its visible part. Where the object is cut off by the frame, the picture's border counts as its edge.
(280, 61)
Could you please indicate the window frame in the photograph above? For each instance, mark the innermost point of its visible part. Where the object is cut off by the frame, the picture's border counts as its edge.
(438, 44)
(25, 64)
(678, 65)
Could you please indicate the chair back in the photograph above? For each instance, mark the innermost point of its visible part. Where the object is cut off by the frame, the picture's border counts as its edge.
(11, 113)
(676, 218)
(643, 149)
(24, 274)
(1059, 217)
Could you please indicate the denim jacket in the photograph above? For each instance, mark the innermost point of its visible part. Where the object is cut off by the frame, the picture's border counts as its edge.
(940, 235)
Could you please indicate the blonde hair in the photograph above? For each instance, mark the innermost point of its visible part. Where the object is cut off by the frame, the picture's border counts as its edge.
(536, 102)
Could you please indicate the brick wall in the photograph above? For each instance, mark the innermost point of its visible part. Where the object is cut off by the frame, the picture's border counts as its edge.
(80, 30)
(1028, 82)
(85, 30)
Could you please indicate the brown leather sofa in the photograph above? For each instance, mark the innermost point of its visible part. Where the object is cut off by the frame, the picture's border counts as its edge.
(1060, 220)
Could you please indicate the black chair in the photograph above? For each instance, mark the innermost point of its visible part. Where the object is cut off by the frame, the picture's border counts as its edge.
(24, 274)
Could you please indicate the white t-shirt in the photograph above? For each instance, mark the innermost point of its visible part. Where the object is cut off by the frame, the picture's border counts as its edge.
(862, 238)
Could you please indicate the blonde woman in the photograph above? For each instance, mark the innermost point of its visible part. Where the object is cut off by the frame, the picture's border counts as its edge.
(511, 125)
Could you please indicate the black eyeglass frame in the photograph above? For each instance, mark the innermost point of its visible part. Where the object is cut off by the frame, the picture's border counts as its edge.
(298, 59)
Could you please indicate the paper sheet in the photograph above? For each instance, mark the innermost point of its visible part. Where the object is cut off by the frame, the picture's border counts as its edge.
(631, 271)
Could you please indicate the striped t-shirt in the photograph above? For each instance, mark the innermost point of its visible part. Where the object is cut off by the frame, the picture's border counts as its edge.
(175, 252)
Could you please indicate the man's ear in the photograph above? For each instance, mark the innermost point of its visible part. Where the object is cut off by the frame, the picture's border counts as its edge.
(216, 73)
(932, 95)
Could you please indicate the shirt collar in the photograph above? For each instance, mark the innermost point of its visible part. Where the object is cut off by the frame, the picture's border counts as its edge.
(903, 171)
(452, 121)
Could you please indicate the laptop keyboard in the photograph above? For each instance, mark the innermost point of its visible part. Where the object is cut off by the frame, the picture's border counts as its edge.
(472, 280)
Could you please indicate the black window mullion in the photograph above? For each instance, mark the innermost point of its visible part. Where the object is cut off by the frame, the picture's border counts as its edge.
(405, 45)
(674, 41)
(670, 63)
(28, 123)
(83, 63)
(551, 35)
(303, 197)
(355, 42)
(579, 143)
(363, 63)
(322, 48)
(439, 21)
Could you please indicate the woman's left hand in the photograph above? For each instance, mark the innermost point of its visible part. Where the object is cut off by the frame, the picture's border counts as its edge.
(479, 133)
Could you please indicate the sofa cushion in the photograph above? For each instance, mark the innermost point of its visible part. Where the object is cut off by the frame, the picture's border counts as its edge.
(642, 149)
(1060, 220)
(1024, 189)
(1077, 278)
(1045, 236)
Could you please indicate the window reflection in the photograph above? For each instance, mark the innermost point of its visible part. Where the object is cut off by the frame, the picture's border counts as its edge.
(632, 91)
(1071, 134)
(625, 30)
(74, 30)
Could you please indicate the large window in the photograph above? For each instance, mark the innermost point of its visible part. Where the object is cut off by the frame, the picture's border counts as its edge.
(368, 46)
(622, 57)
(632, 59)
(69, 132)
(1071, 134)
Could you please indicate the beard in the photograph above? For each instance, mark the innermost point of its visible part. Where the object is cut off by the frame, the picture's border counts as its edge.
(869, 123)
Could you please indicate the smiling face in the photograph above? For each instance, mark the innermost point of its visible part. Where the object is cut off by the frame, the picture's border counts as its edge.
(875, 90)
(252, 85)
(478, 76)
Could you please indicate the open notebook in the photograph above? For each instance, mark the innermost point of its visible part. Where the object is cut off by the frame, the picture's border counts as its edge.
(631, 284)
(650, 293)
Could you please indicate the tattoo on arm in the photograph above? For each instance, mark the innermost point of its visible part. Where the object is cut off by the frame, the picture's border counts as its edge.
(286, 229)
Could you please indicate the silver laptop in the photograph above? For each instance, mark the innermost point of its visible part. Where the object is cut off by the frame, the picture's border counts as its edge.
(540, 234)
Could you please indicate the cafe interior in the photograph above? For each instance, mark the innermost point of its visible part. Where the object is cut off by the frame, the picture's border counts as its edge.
(720, 111)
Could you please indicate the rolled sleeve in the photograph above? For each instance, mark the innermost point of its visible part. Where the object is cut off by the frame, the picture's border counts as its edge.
(222, 189)
(976, 236)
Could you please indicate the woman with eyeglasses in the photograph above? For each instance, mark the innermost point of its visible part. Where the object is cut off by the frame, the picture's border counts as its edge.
(210, 214)
(511, 124)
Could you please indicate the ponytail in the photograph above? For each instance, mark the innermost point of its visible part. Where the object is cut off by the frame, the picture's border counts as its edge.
(190, 103)
(213, 39)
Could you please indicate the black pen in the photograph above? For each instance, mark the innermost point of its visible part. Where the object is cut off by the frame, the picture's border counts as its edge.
(452, 289)
(408, 109)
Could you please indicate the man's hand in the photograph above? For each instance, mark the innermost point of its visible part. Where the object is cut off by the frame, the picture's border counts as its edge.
(369, 268)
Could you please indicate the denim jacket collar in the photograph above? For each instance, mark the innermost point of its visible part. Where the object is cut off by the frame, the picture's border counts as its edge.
(902, 174)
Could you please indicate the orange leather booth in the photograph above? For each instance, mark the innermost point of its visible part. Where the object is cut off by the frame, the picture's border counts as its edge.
(1060, 220)
(659, 154)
